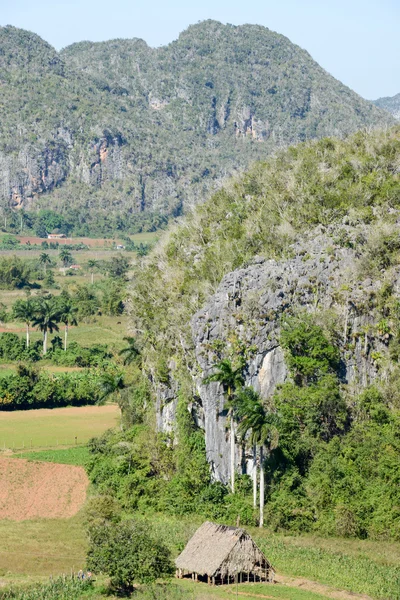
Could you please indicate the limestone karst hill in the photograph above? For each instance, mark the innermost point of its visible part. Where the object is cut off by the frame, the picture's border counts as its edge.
(119, 126)
(391, 104)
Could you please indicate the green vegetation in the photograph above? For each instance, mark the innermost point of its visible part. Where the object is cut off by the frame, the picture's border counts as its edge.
(31, 388)
(261, 214)
(77, 455)
(57, 427)
(128, 552)
(63, 588)
(391, 104)
(216, 99)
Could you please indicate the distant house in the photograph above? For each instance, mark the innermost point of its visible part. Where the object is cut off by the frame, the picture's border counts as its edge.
(219, 554)
(75, 267)
(56, 236)
(120, 247)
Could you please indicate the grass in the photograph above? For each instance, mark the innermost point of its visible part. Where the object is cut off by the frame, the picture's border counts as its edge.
(334, 566)
(43, 547)
(57, 426)
(361, 566)
(55, 547)
(77, 455)
(203, 591)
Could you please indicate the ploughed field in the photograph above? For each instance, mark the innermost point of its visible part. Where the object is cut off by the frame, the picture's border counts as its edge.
(31, 490)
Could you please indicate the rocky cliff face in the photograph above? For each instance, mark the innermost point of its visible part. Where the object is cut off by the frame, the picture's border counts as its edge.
(249, 302)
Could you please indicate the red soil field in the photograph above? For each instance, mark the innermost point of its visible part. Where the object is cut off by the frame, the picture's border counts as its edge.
(101, 242)
(31, 490)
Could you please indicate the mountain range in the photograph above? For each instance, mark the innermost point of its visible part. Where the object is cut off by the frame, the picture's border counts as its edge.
(118, 129)
(391, 104)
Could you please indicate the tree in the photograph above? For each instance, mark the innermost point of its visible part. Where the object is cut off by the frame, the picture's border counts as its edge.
(260, 428)
(118, 267)
(92, 265)
(128, 552)
(47, 317)
(25, 310)
(114, 384)
(45, 260)
(68, 312)
(65, 257)
(130, 352)
(231, 379)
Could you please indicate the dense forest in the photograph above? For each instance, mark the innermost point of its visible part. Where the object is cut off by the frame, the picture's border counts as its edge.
(116, 136)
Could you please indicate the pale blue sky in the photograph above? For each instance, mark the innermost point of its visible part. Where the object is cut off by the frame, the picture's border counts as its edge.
(357, 41)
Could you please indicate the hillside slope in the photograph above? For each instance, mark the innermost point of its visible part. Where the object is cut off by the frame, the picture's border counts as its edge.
(119, 126)
(292, 273)
(391, 104)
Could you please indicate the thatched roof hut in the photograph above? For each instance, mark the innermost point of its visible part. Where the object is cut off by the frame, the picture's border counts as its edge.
(221, 554)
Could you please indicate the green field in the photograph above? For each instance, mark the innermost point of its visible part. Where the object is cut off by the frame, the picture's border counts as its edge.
(57, 426)
(57, 546)
(39, 548)
(248, 590)
(76, 455)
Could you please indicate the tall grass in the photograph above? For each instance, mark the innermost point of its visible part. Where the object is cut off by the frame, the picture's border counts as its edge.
(355, 573)
(339, 566)
(63, 588)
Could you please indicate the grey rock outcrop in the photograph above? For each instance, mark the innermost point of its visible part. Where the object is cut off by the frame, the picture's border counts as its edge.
(250, 302)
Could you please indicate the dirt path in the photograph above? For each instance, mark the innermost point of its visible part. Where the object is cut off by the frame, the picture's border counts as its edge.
(30, 490)
(319, 588)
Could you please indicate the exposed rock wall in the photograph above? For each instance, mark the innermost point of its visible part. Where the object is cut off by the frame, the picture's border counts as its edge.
(250, 302)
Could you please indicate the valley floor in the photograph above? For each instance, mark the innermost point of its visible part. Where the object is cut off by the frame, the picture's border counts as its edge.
(308, 568)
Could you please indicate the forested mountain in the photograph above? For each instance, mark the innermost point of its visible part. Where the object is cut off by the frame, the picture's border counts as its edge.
(287, 281)
(118, 126)
(391, 104)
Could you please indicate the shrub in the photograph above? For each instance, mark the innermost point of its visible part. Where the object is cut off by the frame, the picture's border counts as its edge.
(128, 552)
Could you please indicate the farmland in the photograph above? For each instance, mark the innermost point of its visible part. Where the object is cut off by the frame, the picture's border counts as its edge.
(58, 426)
(31, 489)
(328, 567)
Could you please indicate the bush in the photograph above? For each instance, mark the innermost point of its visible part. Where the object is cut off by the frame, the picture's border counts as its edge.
(128, 552)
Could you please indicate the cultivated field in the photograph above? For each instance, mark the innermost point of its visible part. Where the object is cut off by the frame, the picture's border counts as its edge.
(31, 490)
(56, 426)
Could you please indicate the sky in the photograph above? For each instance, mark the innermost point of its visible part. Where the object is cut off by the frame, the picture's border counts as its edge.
(357, 41)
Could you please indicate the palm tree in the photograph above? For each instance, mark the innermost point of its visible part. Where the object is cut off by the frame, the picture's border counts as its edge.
(131, 352)
(260, 427)
(68, 312)
(231, 379)
(65, 257)
(47, 317)
(44, 260)
(92, 265)
(24, 310)
(113, 384)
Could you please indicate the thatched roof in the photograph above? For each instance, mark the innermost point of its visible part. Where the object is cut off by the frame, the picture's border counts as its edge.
(220, 549)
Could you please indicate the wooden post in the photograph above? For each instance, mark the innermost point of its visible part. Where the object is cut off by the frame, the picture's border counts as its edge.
(192, 576)
(208, 580)
(213, 580)
(248, 577)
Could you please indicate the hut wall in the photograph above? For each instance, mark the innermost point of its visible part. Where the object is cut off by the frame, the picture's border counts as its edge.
(244, 557)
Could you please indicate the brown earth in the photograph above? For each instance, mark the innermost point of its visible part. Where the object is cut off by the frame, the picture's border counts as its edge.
(31, 490)
(92, 242)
